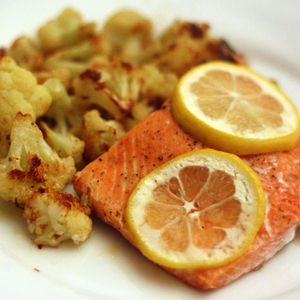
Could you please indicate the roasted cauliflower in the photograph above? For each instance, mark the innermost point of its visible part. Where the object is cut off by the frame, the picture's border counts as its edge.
(26, 53)
(55, 217)
(58, 131)
(184, 45)
(99, 135)
(78, 57)
(70, 43)
(158, 86)
(19, 92)
(112, 87)
(73, 92)
(31, 164)
(131, 36)
(62, 31)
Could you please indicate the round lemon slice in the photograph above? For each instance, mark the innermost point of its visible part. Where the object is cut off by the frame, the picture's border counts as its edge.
(233, 109)
(202, 209)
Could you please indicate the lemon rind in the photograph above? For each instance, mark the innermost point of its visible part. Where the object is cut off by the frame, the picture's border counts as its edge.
(143, 244)
(223, 140)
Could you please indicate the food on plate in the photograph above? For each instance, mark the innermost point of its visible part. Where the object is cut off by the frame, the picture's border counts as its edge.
(78, 89)
(231, 108)
(106, 184)
(31, 164)
(55, 217)
(19, 93)
(78, 94)
(56, 123)
(201, 209)
(99, 134)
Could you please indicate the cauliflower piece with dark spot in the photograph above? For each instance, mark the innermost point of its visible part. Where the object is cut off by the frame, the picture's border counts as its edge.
(31, 164)
(57, 132)
(19, 92)
(113, 87)
(184, 45)
(55, 217)
(139, 112)
(159, 86)
(99, 135)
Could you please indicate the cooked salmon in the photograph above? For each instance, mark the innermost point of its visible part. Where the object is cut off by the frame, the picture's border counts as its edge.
(107, 182)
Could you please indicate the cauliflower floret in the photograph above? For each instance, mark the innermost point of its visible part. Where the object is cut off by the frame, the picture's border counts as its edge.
(70, 44)
(139, 112)
(159, 86)
(62, 31)
(113, 87)
(55, 217)
(131, 36)
(31, 164)
(26, 53)
(63, 74)
(185, 45)
(78, 57)
(65, 144)
(19, 92)
(99, 135)
(59, 136)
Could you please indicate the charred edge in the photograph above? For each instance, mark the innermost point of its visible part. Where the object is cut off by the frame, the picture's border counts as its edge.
(90, 74)
(227, 53)
(17, 174)
(195, 30)
(35, 173)
(51, 122)
(128, 67)
(2, 52)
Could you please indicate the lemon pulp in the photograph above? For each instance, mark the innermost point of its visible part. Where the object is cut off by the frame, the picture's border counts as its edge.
(234, 109)
(200, 210)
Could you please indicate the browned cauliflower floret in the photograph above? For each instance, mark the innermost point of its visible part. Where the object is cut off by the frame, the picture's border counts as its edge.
(139, 111)
(158, 86)
(99, 135)
(113, 87)
(26, 54)
(58, 131)
(130, 34)
(55, 217)
(185, 45)
(31, 164)
(78, 57)
(19, 92)
(70, 44)
(62, 31)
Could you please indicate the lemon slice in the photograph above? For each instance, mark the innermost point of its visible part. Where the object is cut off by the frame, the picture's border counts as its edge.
(233, 109)
(202, 209)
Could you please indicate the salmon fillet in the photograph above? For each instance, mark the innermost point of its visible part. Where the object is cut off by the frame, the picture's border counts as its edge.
(107, 182)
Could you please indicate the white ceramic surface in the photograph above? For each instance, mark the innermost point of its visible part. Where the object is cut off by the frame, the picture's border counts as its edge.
(106, 267)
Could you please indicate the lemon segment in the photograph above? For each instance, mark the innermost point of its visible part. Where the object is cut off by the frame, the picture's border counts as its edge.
(234, 109)
(202, 209)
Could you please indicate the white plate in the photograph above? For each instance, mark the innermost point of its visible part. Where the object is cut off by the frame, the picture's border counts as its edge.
(106, 266)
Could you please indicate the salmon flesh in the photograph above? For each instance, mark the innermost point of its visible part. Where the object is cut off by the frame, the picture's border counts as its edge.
(106, 184)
